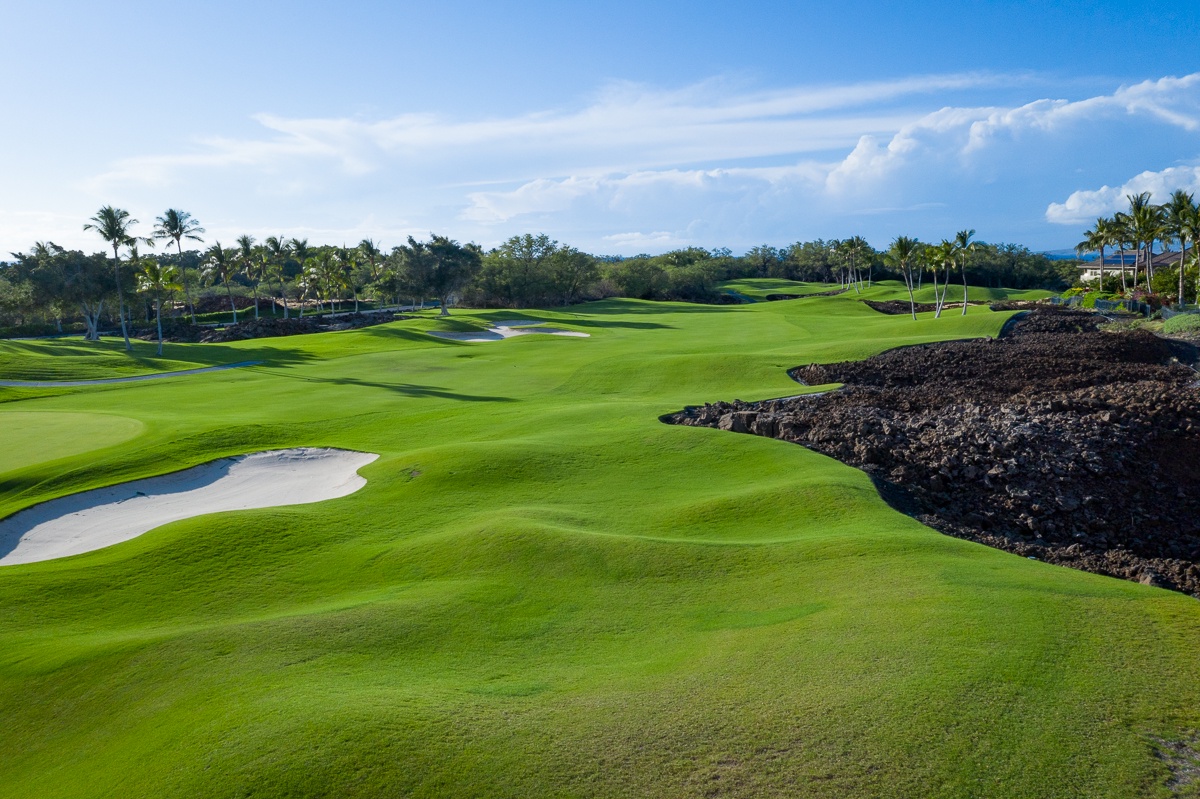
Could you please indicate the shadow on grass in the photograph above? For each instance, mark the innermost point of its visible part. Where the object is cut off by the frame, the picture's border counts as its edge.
(391, 332)
(407, 389)
(648, 307)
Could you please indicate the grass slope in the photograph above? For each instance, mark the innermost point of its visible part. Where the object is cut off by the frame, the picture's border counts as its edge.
(543, 591)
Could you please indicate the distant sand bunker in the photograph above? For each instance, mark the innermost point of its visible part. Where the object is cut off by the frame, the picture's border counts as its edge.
(106, 516)
(507, 329)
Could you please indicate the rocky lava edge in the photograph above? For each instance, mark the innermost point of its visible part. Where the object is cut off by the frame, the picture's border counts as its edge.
(1056, 441)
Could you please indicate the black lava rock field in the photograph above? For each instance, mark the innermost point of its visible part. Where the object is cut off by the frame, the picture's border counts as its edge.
(1057, 440)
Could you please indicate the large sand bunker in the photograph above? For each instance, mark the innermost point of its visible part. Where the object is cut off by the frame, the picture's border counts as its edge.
(106, 516)
(508, 329)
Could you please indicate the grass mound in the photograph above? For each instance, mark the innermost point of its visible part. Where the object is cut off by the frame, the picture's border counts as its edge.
(1187, 323)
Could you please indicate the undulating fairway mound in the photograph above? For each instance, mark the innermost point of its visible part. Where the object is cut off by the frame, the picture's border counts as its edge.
(106, 516)
(1059, 441)
(510, 328)
(543, 591)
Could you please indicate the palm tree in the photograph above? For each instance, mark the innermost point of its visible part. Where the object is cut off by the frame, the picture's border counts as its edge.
(1122, 235)
(942, 256)
(159, 282)
(964, 246)
(299, 251)
(1179, 213)
(245, 251)
(1148, 226)
(113, 225)
(348, 262)
(219, 266)
(1102, 234)
(371, 253)
(177, 225)
(1193, 233)
(276, 254)
(902, 254)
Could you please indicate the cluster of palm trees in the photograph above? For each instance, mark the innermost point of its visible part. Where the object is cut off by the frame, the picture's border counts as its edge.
(912, 258)
(1142, 227)
(325, 273)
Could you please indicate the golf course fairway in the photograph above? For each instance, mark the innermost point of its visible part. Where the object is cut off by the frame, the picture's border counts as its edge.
(543, 591)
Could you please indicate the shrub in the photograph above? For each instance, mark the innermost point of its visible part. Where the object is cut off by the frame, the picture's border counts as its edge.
(1188, 323)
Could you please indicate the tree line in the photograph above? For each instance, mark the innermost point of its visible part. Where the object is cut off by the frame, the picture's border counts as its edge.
(1139, 229)
(127, 283)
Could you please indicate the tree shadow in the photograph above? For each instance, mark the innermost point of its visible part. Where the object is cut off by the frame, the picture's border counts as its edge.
(388, 331)
(648, 307)
(407, 389)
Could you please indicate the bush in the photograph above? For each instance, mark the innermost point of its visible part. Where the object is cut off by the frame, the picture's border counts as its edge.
(1188, 323)
(1089, 300)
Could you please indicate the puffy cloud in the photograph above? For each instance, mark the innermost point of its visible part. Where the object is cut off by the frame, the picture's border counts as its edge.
(1083, 207)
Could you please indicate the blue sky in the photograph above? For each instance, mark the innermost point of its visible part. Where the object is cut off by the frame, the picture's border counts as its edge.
(617, 127)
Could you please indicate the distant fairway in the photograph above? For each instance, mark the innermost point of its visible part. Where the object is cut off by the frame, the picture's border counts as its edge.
(761, 288)
(544, 591)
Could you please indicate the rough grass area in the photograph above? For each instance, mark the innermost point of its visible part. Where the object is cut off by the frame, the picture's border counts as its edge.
(544, 591)
(1189, 323)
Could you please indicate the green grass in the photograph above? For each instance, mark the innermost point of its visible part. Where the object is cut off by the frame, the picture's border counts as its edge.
(758, 288)
(543, 591)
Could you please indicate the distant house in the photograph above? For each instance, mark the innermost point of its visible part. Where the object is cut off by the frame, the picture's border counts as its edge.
(1169, 258)
(1090, 270)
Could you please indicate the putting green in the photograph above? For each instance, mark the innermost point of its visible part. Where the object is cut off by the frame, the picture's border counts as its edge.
(31, 438)
(544, 591)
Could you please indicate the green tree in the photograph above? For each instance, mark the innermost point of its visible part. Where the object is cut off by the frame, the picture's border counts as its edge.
(441, 267)
(299, 251)
(176, 226)
(113, 225)
(274, 257)
(903, 255)
(941, 258)
(248, 265)
(964, 246)
(159, 282)
(1178, 216)
(219, 265)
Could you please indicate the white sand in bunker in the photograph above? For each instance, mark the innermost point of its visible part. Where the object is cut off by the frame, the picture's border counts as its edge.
(508, 328)
(106, 516)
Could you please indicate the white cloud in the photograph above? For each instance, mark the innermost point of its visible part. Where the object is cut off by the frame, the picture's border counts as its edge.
(627, 127)
(711, 164)
(658, 240)
(1085, 206)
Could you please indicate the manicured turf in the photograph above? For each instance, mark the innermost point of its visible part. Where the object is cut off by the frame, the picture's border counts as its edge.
(544, 591)
(759, 288)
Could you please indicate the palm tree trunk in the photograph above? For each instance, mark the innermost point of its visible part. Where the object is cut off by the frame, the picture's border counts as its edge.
(1182, 250)
(121, 301)
(187, 292)
(232, 306)
(908, 281)
(158, 321)
(964, 277)
(1124, 286)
